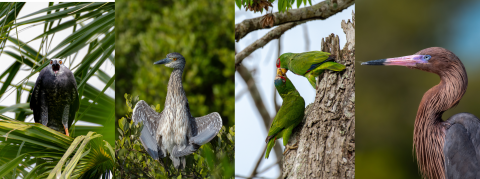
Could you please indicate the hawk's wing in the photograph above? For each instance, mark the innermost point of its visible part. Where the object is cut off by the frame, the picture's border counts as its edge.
(76, 100)
(151, 119)
(36, 98)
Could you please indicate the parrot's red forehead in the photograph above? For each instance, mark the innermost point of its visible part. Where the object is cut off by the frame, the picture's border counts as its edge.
(278, 63)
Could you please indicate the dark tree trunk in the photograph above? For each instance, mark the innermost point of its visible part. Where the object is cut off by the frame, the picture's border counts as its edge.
(326, 137)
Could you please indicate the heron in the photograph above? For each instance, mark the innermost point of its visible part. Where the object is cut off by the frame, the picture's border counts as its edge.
(174, 130)
(54, 99)
(444, 149)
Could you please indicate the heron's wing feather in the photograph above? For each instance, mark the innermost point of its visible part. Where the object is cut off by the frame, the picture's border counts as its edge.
(150, 144)
(462, 147)
(189, 149)
(207, 128)
(151, 119)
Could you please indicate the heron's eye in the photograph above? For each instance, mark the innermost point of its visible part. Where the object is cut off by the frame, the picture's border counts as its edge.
(174, 59)
(51, 62)
(60, 62)
(427, 57)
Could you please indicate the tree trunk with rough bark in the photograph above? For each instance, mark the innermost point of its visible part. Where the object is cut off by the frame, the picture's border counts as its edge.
(326, 137)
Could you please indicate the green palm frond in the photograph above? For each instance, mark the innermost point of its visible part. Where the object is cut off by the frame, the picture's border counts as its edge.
(89, 153)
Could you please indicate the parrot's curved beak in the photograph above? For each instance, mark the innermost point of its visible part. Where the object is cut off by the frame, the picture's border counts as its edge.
(282, 72)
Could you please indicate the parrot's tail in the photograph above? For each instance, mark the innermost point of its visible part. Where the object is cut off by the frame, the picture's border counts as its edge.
(331, 58)
(270, 145)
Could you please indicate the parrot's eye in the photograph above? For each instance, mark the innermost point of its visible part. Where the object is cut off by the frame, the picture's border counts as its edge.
(174, 59)
(283, 80)
(60, 62)
(51, 61)
(278, 61)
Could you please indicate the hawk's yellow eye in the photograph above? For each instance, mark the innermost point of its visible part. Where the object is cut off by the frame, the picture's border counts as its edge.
(174, 59)
(60, 62)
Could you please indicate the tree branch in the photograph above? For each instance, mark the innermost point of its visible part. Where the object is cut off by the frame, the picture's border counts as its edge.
(322, 10)
(273, 34)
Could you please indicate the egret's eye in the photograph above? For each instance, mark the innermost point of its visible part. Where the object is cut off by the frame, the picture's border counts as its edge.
(427, 57)
(51, 62)
(60, 62)
(174, 59)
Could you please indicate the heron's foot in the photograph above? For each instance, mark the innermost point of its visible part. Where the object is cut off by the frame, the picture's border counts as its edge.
(293, 147)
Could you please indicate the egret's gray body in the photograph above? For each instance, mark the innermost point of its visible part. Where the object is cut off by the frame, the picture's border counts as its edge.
(174, 130)
(54, 99)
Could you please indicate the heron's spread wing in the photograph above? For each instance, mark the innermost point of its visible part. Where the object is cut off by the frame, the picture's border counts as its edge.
(151, 119)
(207, 128)
(462, 147)
(176, 152)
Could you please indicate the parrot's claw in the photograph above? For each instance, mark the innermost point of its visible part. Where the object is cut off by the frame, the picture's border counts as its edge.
(293, 147)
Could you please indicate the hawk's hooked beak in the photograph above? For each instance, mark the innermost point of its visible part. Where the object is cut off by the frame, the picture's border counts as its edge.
(282, 72)
(163, 61)
(55, 67)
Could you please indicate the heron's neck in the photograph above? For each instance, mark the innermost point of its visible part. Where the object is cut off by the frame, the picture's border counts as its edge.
(429, 132)
(175, 92)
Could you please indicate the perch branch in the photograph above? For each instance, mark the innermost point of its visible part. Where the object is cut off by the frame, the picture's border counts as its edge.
(273, 34)
(320, 11)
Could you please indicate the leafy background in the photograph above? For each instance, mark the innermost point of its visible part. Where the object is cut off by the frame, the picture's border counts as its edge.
(388, 97)
(82, 34)
(202, 31)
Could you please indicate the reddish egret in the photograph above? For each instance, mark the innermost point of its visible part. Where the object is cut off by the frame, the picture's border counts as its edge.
(444, 149)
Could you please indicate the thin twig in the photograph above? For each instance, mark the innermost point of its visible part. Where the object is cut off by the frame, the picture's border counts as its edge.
(273, 34)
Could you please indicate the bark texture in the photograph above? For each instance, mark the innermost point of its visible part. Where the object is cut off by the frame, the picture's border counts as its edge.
(326, 137)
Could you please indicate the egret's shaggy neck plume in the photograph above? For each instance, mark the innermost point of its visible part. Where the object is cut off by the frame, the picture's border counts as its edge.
(429, 132)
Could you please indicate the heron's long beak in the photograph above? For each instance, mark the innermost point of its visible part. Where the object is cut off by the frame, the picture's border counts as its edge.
(411, 60)
(281, 71)
(163, 61)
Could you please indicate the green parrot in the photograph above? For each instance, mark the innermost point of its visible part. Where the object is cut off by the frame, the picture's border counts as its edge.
(289, 116)
(308, 64)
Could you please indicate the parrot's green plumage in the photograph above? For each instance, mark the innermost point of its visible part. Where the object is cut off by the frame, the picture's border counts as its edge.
(290, 114)
(308, 64)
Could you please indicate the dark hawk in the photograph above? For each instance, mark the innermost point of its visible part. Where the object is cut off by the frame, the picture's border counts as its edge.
(174, 130)
(54, 99)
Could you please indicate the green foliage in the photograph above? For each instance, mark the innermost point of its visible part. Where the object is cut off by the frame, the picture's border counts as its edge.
(86, 156)
(202, 31)
(96, 107)
(213, 160)
(93, 28)
(259, 5)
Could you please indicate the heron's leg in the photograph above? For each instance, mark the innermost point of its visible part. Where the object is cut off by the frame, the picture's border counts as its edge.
(66, 111)
(44, 109)
(293, 147)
